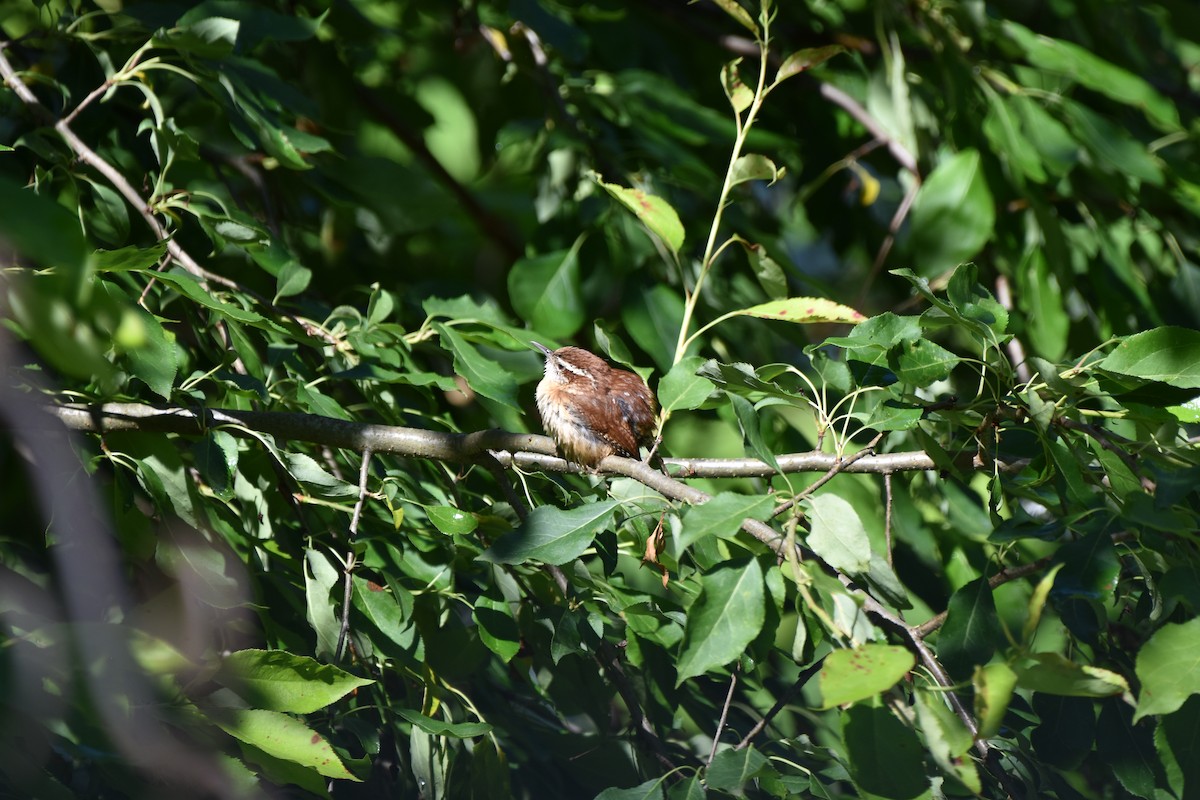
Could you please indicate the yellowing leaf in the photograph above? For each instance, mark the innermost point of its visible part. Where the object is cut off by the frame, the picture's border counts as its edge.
(654, 212)
(804, 309)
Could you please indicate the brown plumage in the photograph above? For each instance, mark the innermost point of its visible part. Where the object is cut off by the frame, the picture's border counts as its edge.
(593, 410)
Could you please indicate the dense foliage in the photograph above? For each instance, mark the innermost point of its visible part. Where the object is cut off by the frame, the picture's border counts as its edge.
(916, 286)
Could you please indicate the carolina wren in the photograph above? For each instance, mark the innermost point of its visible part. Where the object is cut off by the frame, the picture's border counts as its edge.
(592, 410)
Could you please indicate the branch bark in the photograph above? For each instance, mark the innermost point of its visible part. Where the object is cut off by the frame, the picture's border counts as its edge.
(521, 450)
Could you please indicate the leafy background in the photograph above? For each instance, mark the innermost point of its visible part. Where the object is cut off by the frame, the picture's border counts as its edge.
(950, 545)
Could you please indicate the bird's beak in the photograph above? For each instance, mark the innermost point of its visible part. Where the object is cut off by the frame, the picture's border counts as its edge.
(542, 347)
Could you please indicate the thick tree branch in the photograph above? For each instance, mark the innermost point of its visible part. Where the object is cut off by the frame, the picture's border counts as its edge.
(523, 450)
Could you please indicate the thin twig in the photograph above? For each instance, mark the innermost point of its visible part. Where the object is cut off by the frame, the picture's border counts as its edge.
(610, 662)
(782, 702)
(1016, 352)
(885, 248)
(348, 572)
(887, 515)
(724, 715)
(839, 466)
(854, 109)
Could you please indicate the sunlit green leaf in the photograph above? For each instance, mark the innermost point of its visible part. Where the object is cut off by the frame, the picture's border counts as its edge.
(857, 673)
(280, 681)
(654, 212)
(725, 618)
(1170, 355)
(953, 215)
(1163, 668)
(721, 516)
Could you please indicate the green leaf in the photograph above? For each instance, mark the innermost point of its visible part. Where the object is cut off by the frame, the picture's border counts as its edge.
(41, 230)
(732, 769)
(838, 535)
(883, 755)
(153, 361)
(314, 478)
(546, 290)
(127, 258)
(947, 737)
(451, 520)
(190, 288)
(389, 611)
(1092, 71)
(1040, 296)
(653, 317)
(953, 215)
(994, 686)
(109, 221)
(437, 727)
(1065, 731)
(489, 771)
(1166, 667)
(285, 738)
(973, 301)
(733, 9)
(1176, 739)
(480, 372)
(753, 167)
(1058, 149)
(650, 790)
(725, 618)
(1170, 355)
(921, 362)
(292, 280)
(740, 95)
(770, 275)
(654, 212)
(803, 60)
(280, 681)
(853, 674)
(747, 417)
(551, 535)
(1127, 749)
(805, 310)
(497, 629)
(1111, 143)
(1090, 564)
(721, 516)
(319, 578)
(972, 629)
(1053, 674)
(682, 388)
(1003, 129)
(1037, 603)
(216, 458)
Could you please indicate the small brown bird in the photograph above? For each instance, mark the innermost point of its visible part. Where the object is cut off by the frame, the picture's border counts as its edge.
(591, 409)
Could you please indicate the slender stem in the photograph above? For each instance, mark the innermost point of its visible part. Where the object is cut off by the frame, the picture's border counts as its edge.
(348, 587)
(724, 715)
(887, 517)
(743, 129)
(782, 702)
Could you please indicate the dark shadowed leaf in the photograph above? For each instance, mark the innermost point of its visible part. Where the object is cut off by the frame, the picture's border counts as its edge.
(551, 535)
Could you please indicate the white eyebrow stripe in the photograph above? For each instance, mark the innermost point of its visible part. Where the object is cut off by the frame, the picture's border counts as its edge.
(569, 367)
